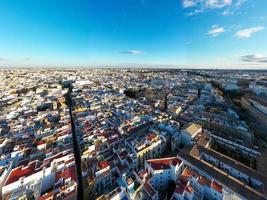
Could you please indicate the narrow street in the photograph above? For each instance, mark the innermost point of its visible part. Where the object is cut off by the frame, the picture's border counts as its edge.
(76, 147)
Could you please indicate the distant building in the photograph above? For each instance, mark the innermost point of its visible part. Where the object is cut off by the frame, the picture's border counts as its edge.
(259, 88)
(230, 86)
(257, 108)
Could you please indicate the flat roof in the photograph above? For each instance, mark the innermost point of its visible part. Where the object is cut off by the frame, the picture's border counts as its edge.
(163, 163)
(192, 128)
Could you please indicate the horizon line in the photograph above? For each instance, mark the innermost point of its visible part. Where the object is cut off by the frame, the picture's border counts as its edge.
(149, 67)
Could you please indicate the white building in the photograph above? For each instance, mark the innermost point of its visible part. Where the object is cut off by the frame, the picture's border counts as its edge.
(190, 132)
(163, 170)
(36, 176)
(258, 89)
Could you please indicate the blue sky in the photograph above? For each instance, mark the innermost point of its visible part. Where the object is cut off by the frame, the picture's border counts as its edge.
(182, 33)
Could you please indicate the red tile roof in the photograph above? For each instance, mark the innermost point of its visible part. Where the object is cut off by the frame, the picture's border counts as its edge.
(189, 188)
(142, 173)
(187, 173)
(21, 172)
(203, 181)
(103, 164)
(69, 172)
(216, 186)
(151, 136)
(41, 142)
(165, 163)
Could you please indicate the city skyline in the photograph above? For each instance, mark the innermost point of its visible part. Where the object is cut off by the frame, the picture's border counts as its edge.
(225, 34)
(116, 134)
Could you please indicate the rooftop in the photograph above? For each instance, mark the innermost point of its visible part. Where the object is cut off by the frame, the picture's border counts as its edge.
(192, 128)
(164, 163)
(20, 172)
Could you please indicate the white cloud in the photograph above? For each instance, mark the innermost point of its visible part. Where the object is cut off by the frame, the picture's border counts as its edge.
(239, 3)
(232, 9)
(246, 33)
(215, 30)
(132, 52)
(217, 3)
(227, 12)
(200, 6)
(253, 58)
(206, 3)
(195, 12)
(189, 3)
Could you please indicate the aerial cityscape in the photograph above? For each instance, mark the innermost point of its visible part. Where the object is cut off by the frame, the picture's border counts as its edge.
(133, 134)
(133, 100)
